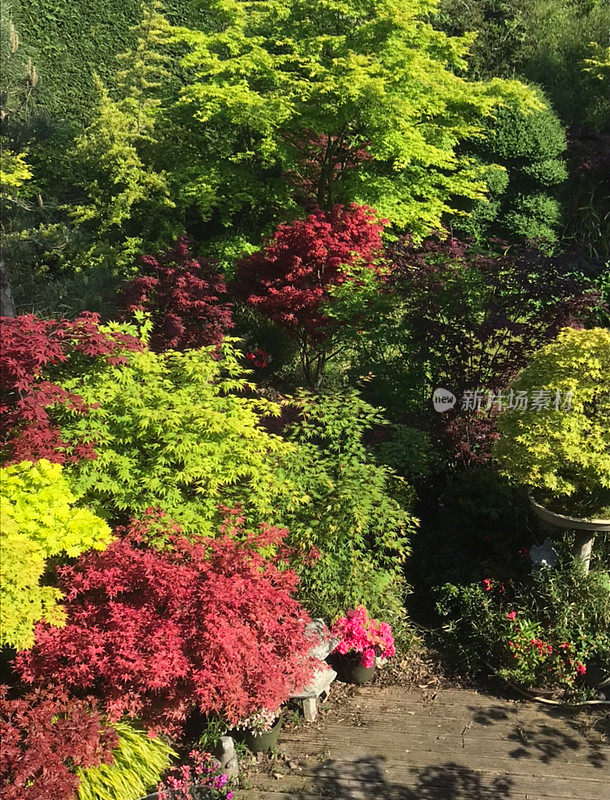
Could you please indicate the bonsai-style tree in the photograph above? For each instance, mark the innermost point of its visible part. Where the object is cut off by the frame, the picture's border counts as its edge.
(560, 445)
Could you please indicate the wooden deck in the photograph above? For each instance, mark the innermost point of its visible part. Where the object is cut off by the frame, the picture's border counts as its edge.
(394, 743)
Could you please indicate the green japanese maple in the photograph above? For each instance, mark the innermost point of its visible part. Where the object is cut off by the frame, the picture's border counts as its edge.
(335, 101)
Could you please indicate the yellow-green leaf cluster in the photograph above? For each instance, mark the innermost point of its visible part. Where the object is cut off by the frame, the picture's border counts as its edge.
(179, 431)
(562, 451)
(38, 521)
(138, 763)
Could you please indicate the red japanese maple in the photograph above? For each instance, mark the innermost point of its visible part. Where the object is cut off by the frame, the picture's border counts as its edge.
(184, 297)
(44, 737)
(208, 624)
(34, 355)
(289, 280)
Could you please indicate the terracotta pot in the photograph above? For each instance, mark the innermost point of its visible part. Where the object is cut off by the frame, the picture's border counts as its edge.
(586, 529)
(350, 670)
(260, 742)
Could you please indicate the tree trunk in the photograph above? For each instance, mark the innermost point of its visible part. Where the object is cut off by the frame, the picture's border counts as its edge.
(583, 544)
(7, 302)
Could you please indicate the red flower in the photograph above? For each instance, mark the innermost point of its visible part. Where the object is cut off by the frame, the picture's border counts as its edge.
(580, 668)
(487, 584)
(512, 614)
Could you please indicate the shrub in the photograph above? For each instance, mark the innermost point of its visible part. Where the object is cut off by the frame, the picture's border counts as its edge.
(208, 625)
(183, 295)
(454, 318)
(529, 144)
(138, 761)
(289, 281)
(177, 431)
(543, 628)
(353, 517)
(35, 355)
(561, 446)
(38, 521)
(358, 633)
(46, 738)
(409, 451)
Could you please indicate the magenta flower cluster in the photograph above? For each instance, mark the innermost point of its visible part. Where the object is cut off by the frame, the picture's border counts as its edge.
(359, 633)
(202, 773)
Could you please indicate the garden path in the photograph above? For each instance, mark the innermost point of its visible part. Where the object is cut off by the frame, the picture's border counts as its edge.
(397, 743)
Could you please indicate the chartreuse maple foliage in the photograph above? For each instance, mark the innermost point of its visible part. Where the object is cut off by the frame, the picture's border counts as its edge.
(176, 431)
(38, 520)
(564, 452)
(363, 84)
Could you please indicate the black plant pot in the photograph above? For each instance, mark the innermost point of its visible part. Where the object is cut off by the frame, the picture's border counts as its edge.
(260, 742)
(349, 669)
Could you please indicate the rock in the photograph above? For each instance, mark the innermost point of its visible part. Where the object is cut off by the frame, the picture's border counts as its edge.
(318, 632)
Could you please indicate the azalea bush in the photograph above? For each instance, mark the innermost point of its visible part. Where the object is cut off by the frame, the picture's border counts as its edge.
(360, 634)
(39, 522)
(208, 624)
(184, 296)
(36, 357)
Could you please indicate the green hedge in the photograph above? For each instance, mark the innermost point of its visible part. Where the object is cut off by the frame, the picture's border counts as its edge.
(68, 40)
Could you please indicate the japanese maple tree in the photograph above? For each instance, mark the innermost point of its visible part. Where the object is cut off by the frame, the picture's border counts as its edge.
(35, 355)
(45, 737)
(184, 296)
(208, 624)
(453, 317)
(290, 279)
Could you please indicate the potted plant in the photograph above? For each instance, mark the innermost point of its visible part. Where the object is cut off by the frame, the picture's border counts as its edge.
(559, 445)
(363, 644)
(260, 732)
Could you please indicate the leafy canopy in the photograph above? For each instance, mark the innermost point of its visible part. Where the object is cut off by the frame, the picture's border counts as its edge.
(357, 516)
(176, 431)
(367, 90)
(38, 521)
(564, 452)
(208, 624)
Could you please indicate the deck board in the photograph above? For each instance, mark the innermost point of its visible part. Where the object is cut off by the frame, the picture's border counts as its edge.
(395, 743)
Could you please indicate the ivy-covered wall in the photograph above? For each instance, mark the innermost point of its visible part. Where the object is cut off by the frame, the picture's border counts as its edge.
(68, 40)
